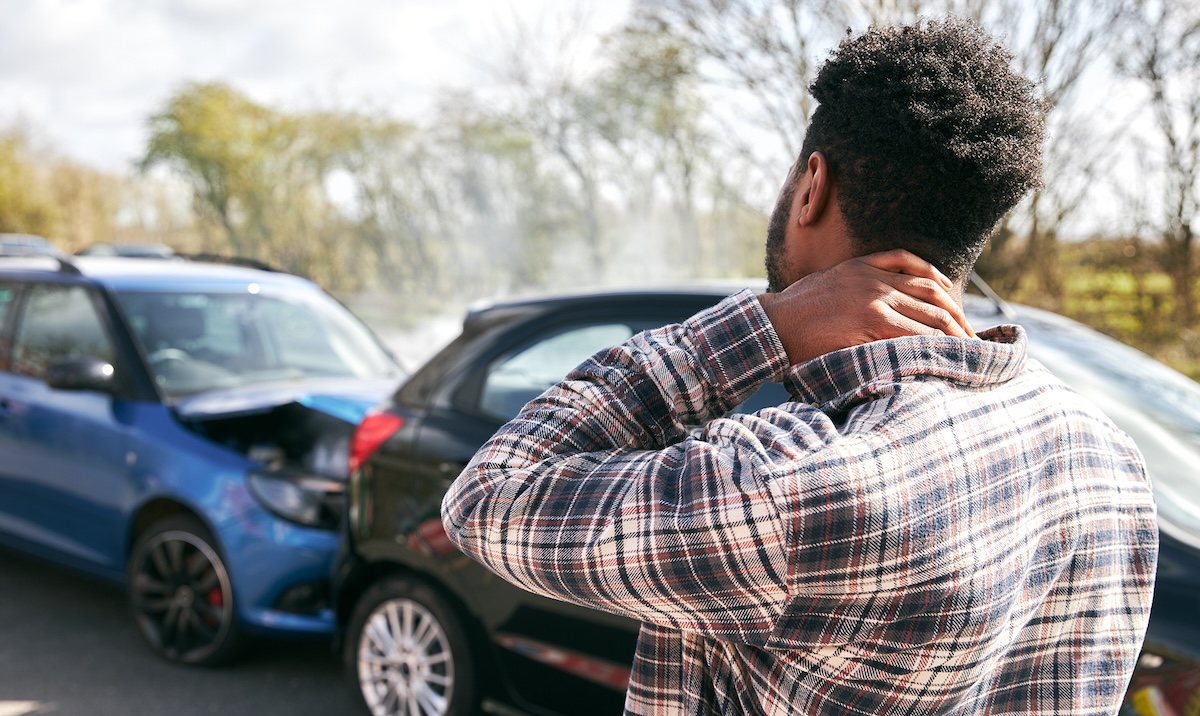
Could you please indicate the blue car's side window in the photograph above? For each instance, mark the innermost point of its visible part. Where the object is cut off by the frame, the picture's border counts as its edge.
(8, 295)
(58, 322)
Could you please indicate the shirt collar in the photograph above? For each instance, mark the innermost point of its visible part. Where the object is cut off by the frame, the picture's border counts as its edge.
(839, 380)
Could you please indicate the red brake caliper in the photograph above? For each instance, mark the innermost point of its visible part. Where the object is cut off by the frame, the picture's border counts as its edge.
(217, 600)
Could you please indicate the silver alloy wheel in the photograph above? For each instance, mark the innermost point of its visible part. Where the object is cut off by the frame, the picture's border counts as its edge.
(405, 665)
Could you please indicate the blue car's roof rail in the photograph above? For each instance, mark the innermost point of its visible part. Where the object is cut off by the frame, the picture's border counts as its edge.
(64, 263)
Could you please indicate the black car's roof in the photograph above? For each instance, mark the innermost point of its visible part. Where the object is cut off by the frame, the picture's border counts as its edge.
(661, 302)
(483, 314)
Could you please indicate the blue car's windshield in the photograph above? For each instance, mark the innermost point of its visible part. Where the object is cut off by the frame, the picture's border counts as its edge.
(198, 341)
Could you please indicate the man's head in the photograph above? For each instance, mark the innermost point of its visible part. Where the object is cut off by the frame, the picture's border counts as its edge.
(923, 139)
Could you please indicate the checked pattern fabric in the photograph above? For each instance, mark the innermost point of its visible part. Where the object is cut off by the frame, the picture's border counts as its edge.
(933, 526)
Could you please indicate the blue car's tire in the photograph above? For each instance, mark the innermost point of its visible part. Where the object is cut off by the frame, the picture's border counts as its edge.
(181, 595)
(406, 653)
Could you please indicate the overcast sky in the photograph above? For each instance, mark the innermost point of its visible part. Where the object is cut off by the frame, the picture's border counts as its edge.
(86, 74)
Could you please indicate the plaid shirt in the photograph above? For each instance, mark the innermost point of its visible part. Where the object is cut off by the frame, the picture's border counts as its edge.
(935, 525)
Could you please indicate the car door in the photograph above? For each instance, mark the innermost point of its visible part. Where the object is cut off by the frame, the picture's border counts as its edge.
(9, 293)
(536, 635)
(65, 472)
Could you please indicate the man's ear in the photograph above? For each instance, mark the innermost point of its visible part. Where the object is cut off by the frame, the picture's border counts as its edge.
(815, 196)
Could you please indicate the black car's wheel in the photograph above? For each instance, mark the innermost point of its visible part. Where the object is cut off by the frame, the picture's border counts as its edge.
(407, 654)
(181, 594)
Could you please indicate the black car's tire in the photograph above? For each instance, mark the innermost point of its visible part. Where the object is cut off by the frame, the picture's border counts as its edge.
(406, 653)
(181, 595)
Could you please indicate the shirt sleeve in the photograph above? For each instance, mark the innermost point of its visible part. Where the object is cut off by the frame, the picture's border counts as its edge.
(596, 494)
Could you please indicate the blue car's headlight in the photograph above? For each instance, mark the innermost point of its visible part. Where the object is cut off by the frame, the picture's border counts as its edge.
(307, 500)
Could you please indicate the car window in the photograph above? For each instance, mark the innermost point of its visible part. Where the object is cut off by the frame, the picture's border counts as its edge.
(198, 341)
(768, 395)
(58, 322)
(301, 338)
(8, 295)
(518, 378)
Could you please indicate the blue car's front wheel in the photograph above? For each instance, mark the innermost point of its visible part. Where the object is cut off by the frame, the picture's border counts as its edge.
(181, 594)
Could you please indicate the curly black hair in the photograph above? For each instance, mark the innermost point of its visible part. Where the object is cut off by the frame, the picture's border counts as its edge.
(930, 135)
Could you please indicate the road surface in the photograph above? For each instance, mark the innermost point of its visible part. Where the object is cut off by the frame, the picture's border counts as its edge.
(69, 647)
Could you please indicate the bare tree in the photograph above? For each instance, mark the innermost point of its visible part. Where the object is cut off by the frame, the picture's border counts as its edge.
(539, 74)
(1056, 42)
(757, 57)
(1163, 53)
(649, 113)
(766, 50)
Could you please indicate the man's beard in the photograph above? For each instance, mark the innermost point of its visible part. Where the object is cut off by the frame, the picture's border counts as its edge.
(776, 234)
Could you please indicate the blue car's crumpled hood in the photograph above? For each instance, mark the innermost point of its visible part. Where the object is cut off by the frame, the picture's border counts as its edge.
(343, 398)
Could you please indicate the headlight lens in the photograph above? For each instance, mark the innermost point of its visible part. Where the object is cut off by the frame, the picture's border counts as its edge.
(307, 500)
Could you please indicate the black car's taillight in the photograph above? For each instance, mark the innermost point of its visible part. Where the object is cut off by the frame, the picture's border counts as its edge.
(373, 431)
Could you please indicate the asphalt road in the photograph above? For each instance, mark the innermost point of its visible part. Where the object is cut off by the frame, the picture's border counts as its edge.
(69, 647)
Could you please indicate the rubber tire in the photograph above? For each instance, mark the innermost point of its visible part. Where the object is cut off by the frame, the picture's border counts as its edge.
(464, 692)
(196, 540)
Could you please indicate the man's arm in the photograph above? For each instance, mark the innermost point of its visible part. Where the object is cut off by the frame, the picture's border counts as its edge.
(594, 494)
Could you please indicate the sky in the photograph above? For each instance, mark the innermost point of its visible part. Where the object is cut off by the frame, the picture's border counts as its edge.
(84, 75)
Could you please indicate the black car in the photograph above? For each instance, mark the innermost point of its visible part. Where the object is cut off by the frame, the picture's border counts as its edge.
(427, 630)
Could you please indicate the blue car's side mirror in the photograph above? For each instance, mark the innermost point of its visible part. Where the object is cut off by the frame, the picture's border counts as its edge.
(82, 373)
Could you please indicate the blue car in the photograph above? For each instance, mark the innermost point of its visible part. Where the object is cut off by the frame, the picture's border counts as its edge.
(183, 428)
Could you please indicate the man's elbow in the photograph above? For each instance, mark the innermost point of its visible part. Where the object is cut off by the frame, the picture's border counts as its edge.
(455, 510)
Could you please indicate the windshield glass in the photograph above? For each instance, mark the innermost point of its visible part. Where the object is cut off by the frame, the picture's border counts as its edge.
(1158, 407)
(198, 341)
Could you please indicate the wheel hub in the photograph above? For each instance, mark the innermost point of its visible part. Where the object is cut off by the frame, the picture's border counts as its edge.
(184, 596)
(407, 667)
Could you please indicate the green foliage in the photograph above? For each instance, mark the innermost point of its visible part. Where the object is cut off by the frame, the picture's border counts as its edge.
(49, 196)
(246, 164)
(261, 175)
(1117, 287)
(25, 206)
(557, 180)
(220, 141)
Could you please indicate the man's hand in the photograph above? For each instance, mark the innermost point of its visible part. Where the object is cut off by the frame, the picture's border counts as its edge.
(869, 298)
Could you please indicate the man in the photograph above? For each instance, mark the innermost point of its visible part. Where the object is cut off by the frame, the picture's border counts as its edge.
(934, 525)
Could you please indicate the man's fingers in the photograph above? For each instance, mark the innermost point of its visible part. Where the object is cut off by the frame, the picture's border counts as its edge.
(925, 292)
(901, 261)
(900, 326)
(932, 318)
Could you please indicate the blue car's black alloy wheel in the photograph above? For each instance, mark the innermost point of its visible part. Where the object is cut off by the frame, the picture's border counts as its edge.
(180, 593)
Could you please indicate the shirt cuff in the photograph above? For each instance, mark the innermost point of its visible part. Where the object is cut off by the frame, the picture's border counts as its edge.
(742, 346)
